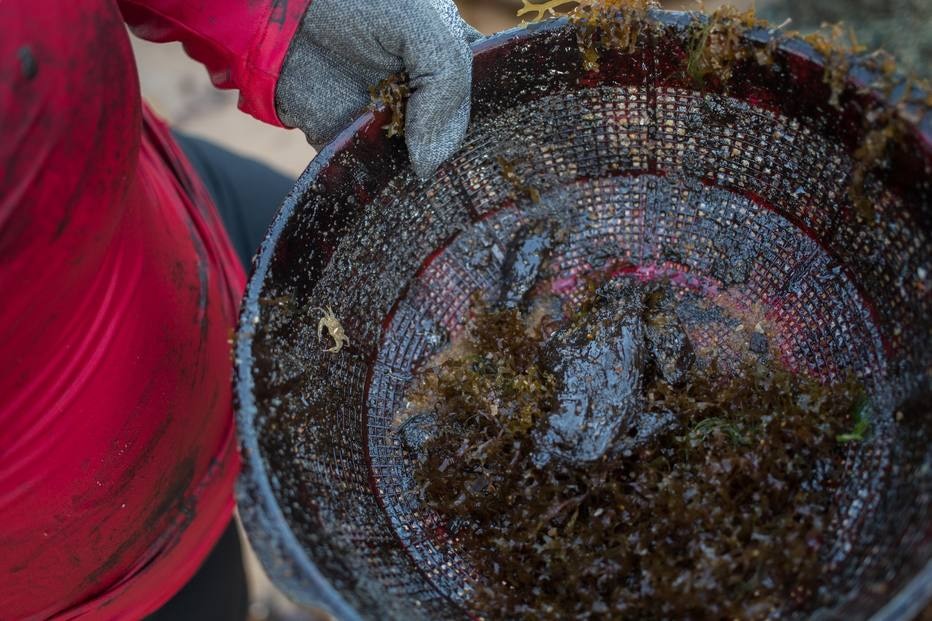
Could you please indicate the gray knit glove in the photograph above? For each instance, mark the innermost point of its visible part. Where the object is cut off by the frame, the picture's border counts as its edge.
(344, 47)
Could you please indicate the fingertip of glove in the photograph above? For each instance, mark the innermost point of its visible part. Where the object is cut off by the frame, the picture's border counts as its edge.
(426, 161)
(427, 153)
(473, 35)
(435, 130)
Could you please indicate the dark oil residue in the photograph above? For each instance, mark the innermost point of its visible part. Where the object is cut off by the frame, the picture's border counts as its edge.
(711, 498)
(611, 25)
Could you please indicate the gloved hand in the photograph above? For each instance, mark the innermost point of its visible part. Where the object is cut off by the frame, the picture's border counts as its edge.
(344, 47)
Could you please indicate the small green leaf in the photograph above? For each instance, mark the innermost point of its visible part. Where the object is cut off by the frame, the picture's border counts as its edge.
(862, 423)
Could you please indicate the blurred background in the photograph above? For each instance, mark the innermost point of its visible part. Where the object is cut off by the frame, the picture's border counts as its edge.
(180, 91)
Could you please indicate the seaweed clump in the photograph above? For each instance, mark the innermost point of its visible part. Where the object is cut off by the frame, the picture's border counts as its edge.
(886, 125)
(872, 155)
(491, 379)
(836, 45)
(722, 515)
(393, 93)
(600, 24)
(716, 44)
(610, 25)
(519, 185)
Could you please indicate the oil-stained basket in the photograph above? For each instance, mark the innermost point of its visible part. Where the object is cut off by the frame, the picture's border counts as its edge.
(638, 164)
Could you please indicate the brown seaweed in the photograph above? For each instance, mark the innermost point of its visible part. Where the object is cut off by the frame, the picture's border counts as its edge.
(723, 513)
(393, 93)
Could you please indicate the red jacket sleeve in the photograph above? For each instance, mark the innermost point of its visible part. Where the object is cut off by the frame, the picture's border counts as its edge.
(242, 43)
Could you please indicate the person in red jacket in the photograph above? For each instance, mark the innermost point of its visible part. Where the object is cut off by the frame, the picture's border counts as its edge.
(121, 284)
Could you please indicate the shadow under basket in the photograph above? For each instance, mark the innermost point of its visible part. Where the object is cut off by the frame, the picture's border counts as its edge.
(740, 189)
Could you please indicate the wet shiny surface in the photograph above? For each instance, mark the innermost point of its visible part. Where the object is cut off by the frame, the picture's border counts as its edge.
(737, 199)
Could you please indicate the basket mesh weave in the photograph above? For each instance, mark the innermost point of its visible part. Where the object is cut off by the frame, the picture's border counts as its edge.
(738, 194)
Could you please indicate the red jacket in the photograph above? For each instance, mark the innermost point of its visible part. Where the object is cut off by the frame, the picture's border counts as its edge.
(119, 294)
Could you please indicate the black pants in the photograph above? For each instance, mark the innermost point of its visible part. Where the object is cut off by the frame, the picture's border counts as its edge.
(247, 195)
